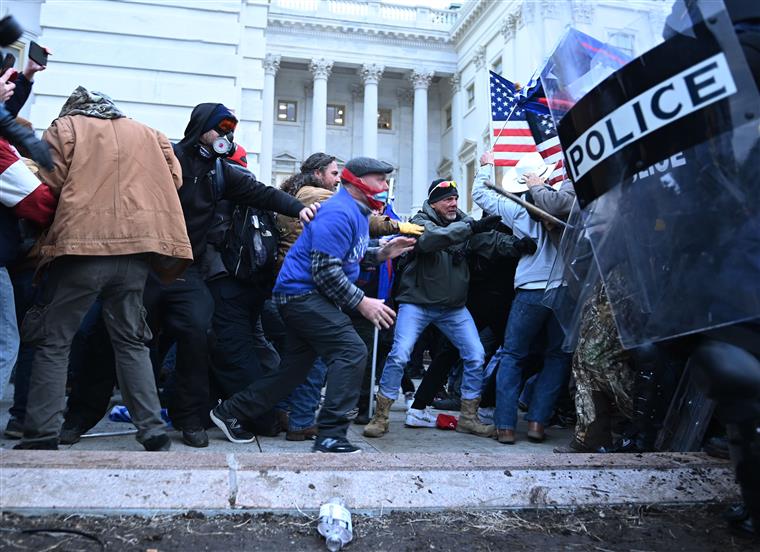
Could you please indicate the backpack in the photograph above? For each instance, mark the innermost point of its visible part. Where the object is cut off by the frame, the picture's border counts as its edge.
(249, 246)
(249, 252)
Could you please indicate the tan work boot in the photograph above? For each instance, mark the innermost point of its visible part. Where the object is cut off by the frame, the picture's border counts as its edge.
(469, 422)
(378, 425)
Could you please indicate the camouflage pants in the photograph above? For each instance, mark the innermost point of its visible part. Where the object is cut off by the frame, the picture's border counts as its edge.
(603, 373)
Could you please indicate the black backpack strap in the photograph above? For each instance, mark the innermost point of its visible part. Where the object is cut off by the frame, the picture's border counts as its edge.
(217, 179)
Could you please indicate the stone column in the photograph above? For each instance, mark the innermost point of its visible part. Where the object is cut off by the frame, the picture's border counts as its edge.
(456, 127)
(271, 65)
(320, 70)
(370, 74)
(420, 81)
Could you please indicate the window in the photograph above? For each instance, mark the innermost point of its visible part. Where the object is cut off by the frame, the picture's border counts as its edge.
(336, 115)
(384, 119)
(470, 96)
(287, 111)
(496, 66)
(623, 41)
(447, 117)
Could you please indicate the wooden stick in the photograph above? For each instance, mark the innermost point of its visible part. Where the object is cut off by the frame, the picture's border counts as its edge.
(529, 206)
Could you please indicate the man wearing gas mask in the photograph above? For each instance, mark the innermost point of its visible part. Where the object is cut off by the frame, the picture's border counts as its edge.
(183, 310)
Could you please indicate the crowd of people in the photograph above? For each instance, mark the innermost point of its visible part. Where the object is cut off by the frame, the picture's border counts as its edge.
(170, 271)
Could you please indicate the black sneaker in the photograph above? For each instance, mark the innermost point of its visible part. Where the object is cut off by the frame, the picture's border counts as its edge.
(230, 426)
(157, 443)
(334, 444)
(14, 429)
(448, 404)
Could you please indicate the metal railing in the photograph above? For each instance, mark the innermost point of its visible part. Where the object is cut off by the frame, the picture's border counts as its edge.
(370, 11)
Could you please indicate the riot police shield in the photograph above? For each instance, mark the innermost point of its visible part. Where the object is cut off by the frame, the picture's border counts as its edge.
(574, 277)
(662, 153)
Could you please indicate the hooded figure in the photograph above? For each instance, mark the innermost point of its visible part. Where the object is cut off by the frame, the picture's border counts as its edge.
(198, 158)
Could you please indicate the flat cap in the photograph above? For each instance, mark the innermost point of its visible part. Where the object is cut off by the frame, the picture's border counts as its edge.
(359, 166)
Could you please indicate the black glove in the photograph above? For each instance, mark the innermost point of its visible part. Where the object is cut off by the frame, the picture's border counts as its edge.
(24, 138)
(486, 224)
(526, 246)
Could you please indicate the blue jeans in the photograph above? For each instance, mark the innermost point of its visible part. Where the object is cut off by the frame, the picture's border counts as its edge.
(456, 324)
(9, 340)
(304, 400)
(527, 318)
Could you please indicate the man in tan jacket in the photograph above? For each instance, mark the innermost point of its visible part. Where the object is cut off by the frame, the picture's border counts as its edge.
(118, 214)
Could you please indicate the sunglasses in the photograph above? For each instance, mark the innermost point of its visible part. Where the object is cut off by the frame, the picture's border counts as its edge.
(226, 125)
(444, 184)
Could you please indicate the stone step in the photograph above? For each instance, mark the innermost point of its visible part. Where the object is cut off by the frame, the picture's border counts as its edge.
(140, 482)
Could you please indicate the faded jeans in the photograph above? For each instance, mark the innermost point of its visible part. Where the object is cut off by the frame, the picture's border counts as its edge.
(9, 340)
(456, 324)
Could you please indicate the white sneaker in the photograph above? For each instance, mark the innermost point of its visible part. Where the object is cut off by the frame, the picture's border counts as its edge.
(420, 418)
(485, 415)
(409, 399)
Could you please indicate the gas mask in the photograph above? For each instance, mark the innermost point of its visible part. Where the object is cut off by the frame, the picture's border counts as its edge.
(224, 145)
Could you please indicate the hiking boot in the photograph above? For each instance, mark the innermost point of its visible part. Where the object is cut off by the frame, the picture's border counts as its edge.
(46, 444)
(230, 426)
(14, 429)
(505, 436)
(536, 432)
(283, 418)
(468, 420)
(306, 434)
(379, 424)
(574, 446)
(157, 443)
(420, 418)
(195, 437)
(334, 444)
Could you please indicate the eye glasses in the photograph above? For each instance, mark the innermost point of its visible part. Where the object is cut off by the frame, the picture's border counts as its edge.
(444, 184)
(226, 125)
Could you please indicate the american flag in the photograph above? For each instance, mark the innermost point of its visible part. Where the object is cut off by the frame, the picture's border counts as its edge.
(547, 143)
(511, 133)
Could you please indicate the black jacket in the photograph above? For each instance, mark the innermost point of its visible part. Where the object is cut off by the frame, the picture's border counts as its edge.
(197, 192)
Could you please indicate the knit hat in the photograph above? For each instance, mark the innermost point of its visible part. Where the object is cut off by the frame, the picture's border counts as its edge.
(436, 192)
(217, 116)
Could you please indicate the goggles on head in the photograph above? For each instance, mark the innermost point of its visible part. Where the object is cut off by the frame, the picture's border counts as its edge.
(444, 184)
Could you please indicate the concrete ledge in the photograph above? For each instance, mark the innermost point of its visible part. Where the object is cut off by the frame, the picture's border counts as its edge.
(178, 481)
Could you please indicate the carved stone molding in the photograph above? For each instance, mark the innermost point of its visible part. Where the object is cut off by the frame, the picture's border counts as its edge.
(320, 68)
(370, 73)
(421, 78)
(271, 64)
(508, 28)
(550, 8)
(583, 12)
(456, 82)
(480, 58)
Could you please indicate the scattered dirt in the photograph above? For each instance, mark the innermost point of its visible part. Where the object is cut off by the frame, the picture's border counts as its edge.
(696, 529)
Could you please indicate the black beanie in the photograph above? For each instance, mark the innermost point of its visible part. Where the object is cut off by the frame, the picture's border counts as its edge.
(437, 194)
